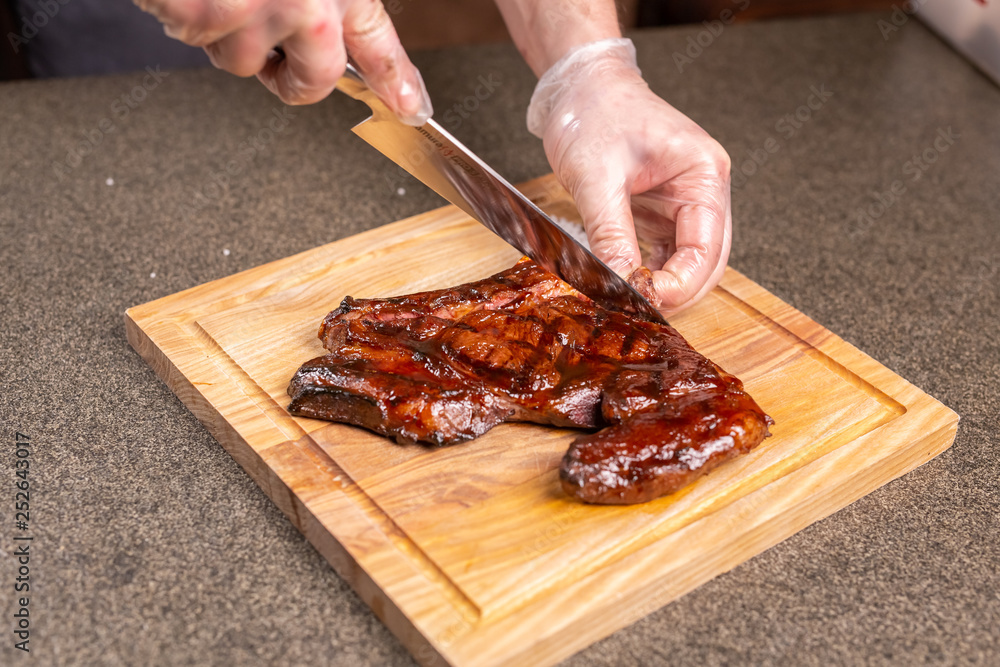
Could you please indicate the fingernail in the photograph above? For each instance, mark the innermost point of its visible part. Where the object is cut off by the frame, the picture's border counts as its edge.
(414, 102)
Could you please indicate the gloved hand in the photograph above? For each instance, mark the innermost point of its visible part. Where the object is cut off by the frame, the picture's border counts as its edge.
(638, 169)
(316, 37)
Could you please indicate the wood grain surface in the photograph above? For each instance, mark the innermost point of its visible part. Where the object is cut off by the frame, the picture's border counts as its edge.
(471, 554)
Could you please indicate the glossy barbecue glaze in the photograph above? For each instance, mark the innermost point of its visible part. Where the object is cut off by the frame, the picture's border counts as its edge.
(444, 367)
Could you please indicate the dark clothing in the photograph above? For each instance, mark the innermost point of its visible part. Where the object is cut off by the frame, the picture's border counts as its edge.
(80, 37)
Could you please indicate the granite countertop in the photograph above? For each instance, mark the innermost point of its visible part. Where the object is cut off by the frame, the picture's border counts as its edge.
(152, 546)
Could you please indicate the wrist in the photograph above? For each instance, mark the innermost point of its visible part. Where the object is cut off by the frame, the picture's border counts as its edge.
(583, 63)
(568, 41)
(546, 30)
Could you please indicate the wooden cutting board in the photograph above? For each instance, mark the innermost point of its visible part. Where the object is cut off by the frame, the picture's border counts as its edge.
(471, 554)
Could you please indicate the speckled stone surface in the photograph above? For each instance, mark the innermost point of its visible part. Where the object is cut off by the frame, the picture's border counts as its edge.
(153, 547)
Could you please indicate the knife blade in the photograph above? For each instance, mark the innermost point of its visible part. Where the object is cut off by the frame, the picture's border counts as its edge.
(440, 161)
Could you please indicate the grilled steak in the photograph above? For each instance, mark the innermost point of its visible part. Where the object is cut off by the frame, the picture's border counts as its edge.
(446, 366)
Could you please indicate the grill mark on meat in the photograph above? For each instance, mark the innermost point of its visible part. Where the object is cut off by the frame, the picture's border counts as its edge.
(446, 366)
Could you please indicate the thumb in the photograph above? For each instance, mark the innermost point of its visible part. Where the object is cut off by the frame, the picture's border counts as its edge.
(605, 206)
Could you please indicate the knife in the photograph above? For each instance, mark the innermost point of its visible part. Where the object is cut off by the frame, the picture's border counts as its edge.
(442, 163)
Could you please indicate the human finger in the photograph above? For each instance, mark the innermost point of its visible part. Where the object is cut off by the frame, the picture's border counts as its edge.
(244, 52)
(703, 240)
(312, 59)
(372, 42)
(602, 196)
(201, 22)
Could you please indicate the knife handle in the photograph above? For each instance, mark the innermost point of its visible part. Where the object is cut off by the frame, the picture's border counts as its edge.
(353, 85)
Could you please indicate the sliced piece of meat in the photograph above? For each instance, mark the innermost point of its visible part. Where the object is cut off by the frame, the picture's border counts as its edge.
(446, 366)
(410, 407)
(663, 449)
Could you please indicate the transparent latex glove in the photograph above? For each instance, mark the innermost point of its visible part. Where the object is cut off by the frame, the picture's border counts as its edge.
(638, 169)
(316, 37)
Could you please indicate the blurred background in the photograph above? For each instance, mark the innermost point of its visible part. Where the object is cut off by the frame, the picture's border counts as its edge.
(50, 38)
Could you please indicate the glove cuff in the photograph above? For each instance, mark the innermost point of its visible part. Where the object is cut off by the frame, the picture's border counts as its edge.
(562, 75)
